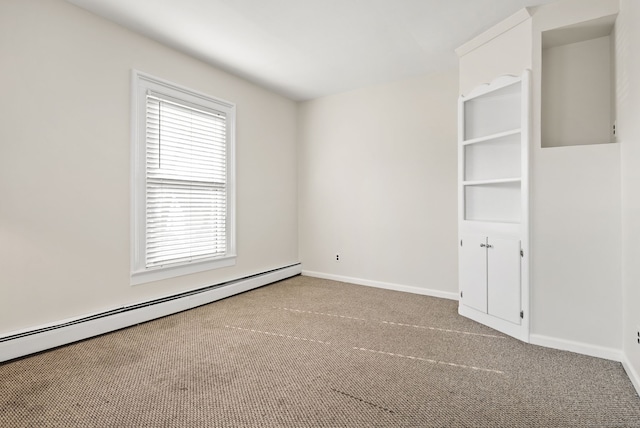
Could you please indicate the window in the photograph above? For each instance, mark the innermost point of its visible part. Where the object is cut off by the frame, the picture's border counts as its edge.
(183, 181)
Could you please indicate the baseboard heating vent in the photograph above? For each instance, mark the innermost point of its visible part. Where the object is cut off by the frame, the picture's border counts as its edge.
(42, 338)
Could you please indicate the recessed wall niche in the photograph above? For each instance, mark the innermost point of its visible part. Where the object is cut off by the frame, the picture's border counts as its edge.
(578, 84)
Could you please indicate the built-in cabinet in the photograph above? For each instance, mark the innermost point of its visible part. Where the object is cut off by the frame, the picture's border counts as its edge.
(491, 279)
(493, 199)
(548, 139)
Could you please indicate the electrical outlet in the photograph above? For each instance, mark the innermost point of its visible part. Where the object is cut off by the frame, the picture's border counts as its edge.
(337, 258)
(638, 334)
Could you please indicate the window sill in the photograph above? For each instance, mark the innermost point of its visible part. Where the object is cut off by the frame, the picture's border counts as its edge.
(157, 274)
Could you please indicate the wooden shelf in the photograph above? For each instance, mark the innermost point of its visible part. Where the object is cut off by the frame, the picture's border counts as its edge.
(495, 181)
(496, 222)
(493, 112)
(491, 137)
(497, 201)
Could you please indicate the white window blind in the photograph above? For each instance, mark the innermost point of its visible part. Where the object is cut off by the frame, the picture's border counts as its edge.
(186, 182)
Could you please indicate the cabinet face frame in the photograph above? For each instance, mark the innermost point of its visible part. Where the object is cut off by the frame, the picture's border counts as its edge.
(514, 227)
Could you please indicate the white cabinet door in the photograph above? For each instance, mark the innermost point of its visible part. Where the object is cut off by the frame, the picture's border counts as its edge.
(503, 261)
(473, 272)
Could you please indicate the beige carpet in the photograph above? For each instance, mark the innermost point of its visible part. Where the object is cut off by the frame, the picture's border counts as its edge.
(311, 352)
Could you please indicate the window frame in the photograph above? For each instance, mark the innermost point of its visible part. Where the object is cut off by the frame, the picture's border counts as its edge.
(141, 84)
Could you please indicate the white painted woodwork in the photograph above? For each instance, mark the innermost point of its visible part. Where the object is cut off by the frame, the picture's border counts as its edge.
(473, 278)
(503, 278)
(490, 276)
(493, 192)
(492, 112)
(493, 159)
(494, 202)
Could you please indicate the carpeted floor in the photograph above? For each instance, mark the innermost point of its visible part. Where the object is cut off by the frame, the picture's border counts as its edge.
(310, 352)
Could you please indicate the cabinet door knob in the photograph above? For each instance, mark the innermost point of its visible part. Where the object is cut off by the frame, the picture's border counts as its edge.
(483, 245)
(489, 246)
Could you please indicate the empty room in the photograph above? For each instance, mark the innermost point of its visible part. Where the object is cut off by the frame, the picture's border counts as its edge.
(340, 213)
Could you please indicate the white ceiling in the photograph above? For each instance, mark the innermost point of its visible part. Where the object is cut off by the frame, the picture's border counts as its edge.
(306, 49)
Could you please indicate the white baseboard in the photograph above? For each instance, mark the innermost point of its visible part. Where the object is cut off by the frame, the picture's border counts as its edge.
(385, 285)
(577, 347)
(22, 343)
(632, 373)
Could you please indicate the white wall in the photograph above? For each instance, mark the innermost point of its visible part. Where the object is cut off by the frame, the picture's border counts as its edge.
(65, 162)
(377, 170)
(576, 75)
(576, 291)
(628, 109)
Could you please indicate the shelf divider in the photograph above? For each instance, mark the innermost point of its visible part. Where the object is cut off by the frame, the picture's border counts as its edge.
(493, 181)
(491, 137)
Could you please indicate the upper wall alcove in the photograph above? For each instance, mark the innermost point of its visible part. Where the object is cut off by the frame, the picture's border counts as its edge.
(578, 84)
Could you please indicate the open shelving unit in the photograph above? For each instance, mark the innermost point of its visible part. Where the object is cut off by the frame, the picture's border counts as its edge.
(491, 141)
(493, 195)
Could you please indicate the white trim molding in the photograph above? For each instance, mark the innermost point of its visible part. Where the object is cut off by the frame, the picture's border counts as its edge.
(493, 32)
(385, 285)
(21, 343)
(591, 350)
(634, 376)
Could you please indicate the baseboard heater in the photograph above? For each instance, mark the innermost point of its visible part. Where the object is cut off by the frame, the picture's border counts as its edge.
(20, 344)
